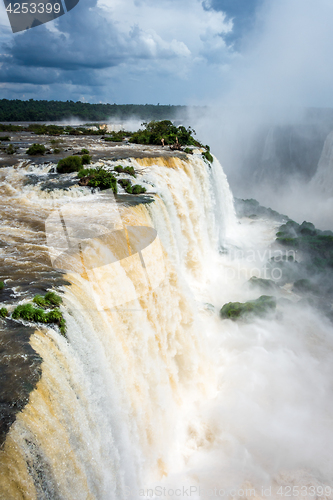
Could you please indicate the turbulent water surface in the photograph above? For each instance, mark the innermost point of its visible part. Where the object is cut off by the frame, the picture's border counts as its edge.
(152, 394)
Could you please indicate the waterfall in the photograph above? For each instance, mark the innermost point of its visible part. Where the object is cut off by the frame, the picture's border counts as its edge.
(152, 394)
(110, 410)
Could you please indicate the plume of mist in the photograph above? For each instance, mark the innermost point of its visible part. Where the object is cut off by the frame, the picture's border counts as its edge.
(269, 128)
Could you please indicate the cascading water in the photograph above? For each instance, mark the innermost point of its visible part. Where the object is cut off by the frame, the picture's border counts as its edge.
(106, 414)
(157, 396)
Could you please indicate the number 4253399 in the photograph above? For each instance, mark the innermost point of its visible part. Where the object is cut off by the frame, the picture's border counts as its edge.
(33, 8)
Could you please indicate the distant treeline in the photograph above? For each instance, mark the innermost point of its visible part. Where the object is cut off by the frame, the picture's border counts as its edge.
(32, 111)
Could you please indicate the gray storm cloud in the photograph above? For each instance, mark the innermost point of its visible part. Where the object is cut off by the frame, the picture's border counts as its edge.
(259, 127)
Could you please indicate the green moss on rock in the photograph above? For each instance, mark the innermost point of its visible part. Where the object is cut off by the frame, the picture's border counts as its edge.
(258, 307)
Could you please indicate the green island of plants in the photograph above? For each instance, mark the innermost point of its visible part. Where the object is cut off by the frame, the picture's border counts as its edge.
(258, 307)
(69, 164)
(117, 136)
(49, 300)
(2, 285)
(98, 178)
(103, 180)
(155, 132)
(29, 312)
(136, 189)
(36, 149)
(316, 245)
(126, 170)
(312, 273)
(208, 156)
(73, 163)
(86, 159)
(3, 312)
(251, 208)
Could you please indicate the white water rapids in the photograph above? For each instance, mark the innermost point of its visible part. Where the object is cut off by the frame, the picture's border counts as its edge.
(157, 397)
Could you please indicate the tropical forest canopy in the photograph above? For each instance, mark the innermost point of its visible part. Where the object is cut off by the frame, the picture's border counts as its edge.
(32, 110)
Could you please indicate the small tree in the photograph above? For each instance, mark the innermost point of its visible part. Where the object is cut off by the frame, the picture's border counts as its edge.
(36, 149)
(69, 164)
(86, 159)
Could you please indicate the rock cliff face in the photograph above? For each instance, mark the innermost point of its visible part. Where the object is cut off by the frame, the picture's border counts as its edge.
(323, 179)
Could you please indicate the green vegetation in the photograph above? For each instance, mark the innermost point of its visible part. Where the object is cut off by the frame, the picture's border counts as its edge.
(36, 149)
(127, 170)
(316, 245)
(126, 184)
(10, 150)
(312, 273)
(258, 307)
(50, 300)
(130, 171)
(56, 151)
(3, 312)
(2, 285)
(188, 151)
(208, 156)
(119, 169)
(98, 178)
(252, 209)
(103, 180)
(156, 131)
(35, 110)
(137, 189)
(265, 284)
(118, 136)
(5, 138)
(84, 151)
(69, 164)
(85, 172)
(86, 159)
(6, 127)
(29, 312)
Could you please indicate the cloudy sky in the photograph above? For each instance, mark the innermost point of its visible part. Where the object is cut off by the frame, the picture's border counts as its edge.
(175, 52)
